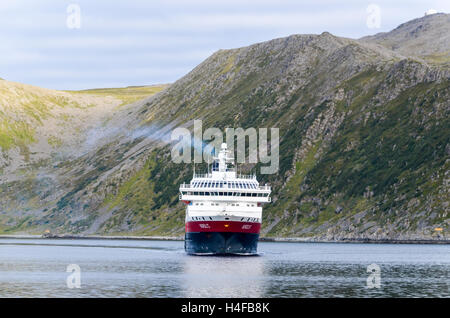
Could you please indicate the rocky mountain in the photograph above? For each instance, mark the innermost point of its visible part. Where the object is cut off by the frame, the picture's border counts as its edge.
(364, 142)
(425, 38)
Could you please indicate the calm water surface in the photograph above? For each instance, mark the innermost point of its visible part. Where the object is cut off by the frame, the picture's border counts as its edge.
(127, 268)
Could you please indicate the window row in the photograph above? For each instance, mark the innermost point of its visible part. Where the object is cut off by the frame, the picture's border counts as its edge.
(231, 194)
(224, 184)
(232, 204)
(202, 218)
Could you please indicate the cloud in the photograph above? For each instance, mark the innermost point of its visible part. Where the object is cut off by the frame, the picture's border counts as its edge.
(137, 40)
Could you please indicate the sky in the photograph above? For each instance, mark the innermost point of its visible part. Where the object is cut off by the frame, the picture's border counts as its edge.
(71, 45)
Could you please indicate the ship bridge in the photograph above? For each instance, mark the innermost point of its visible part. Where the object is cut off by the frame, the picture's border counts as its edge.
(223, 184)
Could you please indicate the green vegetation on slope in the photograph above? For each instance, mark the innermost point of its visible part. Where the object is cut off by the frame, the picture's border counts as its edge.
(397, 144)
(148, 201)
(15, 134)
(19, 117)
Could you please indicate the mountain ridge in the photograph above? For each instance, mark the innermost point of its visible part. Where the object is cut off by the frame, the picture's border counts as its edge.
(426, 38)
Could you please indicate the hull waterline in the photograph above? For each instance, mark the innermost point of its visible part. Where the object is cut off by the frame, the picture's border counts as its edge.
(221, 243)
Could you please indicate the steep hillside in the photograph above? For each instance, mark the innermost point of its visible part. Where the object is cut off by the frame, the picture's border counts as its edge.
(364, 146)
(44, 133)
(36, 123)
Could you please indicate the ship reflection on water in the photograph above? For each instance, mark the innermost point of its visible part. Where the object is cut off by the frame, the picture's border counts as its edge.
(223, 276)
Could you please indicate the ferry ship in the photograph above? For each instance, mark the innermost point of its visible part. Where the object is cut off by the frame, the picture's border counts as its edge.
(223, 209)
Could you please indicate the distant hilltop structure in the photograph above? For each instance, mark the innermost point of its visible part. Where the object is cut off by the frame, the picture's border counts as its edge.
(430, 11)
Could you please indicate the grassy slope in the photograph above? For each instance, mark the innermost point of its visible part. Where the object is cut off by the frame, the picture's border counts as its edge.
(24, 109)
(26, 106)
(127, 95)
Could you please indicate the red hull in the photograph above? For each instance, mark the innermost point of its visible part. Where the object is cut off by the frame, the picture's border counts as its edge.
(223, 226)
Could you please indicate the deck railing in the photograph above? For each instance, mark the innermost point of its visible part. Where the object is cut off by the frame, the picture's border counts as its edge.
(188, 186)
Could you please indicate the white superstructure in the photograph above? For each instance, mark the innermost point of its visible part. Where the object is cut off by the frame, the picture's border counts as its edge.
(222, 195)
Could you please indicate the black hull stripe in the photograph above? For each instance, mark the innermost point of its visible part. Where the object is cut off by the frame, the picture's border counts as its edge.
(221, 243)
